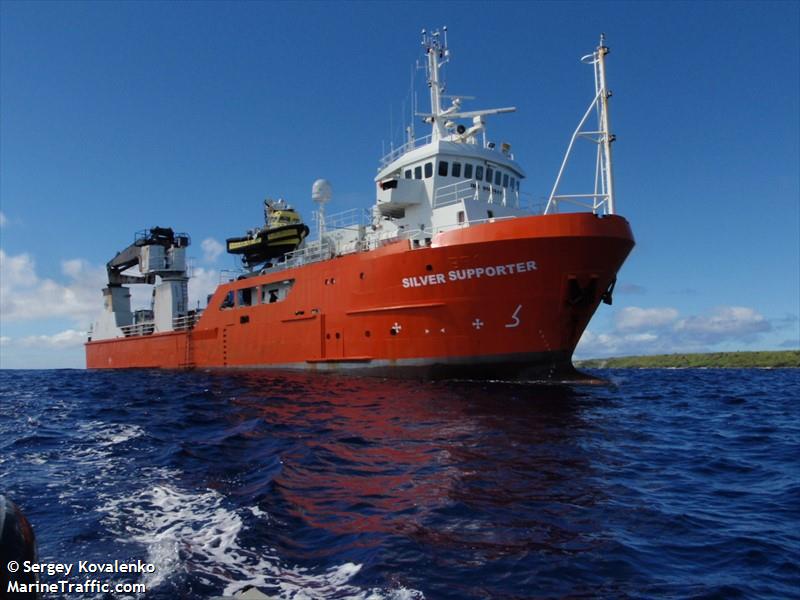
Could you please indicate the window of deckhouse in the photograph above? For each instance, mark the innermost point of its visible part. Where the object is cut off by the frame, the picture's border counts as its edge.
(417, 172)
(479, 173)
(513, 183)
(408, 173)
(505, 181)
(489, 174)
(443, 168)
(428, 170)
(468, 170)
(245, 297)
(497, 176)
(227, 300)
(456, 172)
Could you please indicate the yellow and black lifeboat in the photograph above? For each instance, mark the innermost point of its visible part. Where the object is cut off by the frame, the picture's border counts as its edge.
(283, 232)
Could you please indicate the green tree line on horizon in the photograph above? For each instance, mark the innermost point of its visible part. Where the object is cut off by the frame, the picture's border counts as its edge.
(721, 360)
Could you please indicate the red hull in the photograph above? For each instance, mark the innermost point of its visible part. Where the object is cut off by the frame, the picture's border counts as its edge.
(503, 299)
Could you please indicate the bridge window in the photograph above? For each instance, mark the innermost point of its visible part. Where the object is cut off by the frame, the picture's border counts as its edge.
(468, 170)
(227, 301)
(513, 183)
(460, 217)
(408, 173)
(479, 172)
(489, 174)
(428, 170)
(505, 181)
(417, 172)
(497, 176)
(456, 169)
(443, 168)
(247, 296)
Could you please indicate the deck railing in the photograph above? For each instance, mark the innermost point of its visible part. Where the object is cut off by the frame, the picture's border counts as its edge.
(407, 147)
(470, 190)
(186, 322)
(180, 323)
(137, 329)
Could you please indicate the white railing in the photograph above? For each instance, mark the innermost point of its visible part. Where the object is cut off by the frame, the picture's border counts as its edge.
(347, 218)
(186, 322)
(455, 192)
(472, 191)
(407, 147)
(313, 252)
(138, 329)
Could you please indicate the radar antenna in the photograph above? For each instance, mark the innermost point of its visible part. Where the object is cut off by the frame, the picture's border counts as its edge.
(321, 192)
(438, 55)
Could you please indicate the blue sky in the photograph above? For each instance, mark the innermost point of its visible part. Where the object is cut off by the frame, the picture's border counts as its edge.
(115, 117)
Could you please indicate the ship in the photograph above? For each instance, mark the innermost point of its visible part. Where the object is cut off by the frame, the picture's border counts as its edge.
(453, 272)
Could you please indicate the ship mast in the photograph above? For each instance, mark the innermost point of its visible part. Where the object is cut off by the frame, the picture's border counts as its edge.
(603, 197)
(435, 44)
(605, 136)
(443, 120)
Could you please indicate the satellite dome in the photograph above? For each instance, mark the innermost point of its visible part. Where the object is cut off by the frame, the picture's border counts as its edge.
(321, 191)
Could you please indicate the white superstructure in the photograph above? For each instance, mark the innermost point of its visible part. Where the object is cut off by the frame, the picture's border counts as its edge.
(454, 176)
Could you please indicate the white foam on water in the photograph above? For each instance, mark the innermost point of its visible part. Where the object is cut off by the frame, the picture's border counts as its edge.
(35, 458)
(110, 434)
(257, 512)
(194, 532)
(190, 531)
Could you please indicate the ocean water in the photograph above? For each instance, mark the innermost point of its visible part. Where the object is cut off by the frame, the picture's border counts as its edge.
(660, 484)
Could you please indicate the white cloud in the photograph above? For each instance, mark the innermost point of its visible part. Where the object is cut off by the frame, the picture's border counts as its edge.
(16, 271)
(724, 323)
(3, 219)
(24, 296)
(615, 343)
(63, 339)
(211, 249)
(5, 340)
(661, 330)
(202, 283)
(633, 318)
